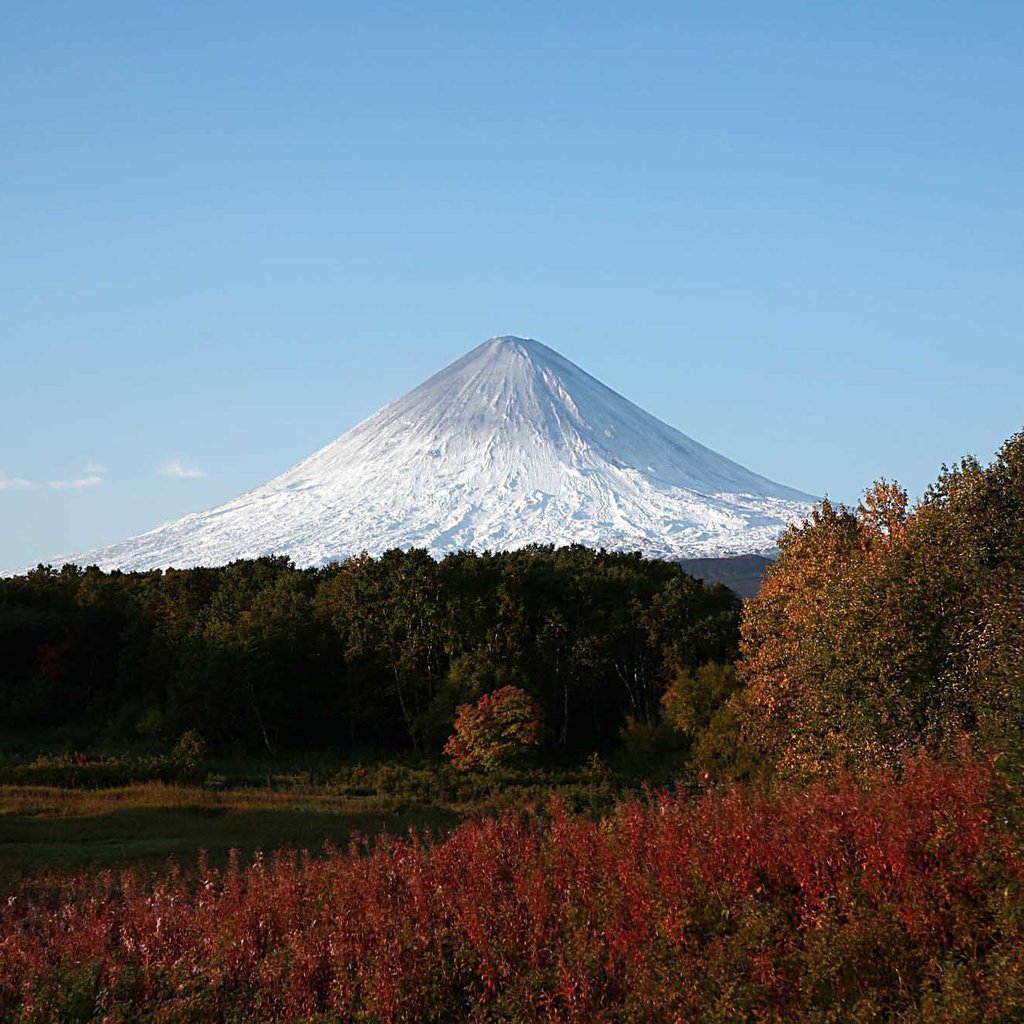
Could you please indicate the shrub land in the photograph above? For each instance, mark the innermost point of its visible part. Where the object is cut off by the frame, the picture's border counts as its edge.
(896, 899)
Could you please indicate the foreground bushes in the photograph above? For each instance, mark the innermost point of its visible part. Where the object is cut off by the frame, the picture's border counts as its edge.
(896, 901)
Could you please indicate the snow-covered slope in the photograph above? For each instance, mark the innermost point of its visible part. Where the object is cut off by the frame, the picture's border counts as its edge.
(510, 445)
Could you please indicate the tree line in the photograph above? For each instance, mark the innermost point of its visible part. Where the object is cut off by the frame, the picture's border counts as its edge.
(367, 653)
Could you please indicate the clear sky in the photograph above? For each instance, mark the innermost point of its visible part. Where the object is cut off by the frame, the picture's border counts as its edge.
(229, 231)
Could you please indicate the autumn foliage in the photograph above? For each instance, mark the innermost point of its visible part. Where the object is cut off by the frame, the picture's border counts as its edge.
(893, 900)
(494, 732)
(891, 628)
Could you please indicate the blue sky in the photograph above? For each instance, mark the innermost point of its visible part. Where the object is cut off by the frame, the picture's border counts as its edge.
(229, 231)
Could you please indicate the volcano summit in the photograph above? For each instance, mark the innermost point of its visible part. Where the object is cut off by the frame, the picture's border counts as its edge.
(510, 445)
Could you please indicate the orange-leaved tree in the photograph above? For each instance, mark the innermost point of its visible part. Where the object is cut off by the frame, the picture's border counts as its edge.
(496, 731)
(888, 628)
(856, 651)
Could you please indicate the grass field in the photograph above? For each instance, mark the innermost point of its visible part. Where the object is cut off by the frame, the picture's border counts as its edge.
(45, 829)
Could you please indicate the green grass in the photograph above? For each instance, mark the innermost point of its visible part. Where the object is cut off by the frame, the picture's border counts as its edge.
(50, 829)
(47, 829)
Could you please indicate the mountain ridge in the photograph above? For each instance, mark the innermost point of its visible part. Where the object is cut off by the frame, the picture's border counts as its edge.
(510, 444)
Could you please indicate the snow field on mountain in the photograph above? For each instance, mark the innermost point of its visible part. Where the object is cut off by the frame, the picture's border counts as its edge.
(510, 445)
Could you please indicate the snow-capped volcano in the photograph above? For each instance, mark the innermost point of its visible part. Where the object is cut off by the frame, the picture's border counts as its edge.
(510, 445)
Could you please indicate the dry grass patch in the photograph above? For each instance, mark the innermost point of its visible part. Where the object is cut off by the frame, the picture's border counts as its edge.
(45, 829)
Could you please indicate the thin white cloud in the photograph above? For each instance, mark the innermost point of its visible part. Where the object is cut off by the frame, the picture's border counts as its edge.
(177, 469)
(92, 480)
(15, 483)
(92, 476)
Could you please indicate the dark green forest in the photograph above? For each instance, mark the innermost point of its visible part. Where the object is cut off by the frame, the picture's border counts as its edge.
(370, 654)
(880, 631)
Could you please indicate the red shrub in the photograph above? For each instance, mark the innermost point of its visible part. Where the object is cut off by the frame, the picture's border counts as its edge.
(891, 899)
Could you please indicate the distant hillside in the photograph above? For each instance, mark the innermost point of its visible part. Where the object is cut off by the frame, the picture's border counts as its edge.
(742, 573)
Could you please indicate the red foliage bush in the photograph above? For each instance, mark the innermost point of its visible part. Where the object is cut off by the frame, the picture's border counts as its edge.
(495, 731)
(897, 899)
